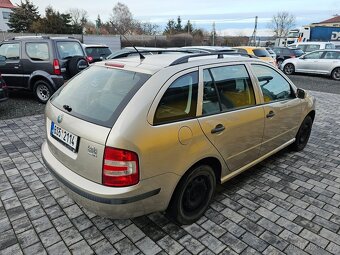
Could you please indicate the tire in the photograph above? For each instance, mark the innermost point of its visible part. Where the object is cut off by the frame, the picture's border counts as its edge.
(336, 74)
(192, 195)
(43, 91)
(76, 64)
(289, 69)
(302, 136)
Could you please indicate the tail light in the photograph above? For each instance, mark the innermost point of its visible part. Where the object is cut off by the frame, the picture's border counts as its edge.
(89, 59)
(120, 168)
(56, 67)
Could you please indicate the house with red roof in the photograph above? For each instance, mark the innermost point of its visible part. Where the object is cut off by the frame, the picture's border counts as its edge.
(6, 8)
(332, 22)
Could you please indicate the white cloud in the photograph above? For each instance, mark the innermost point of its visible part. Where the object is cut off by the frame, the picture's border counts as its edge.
(244, 32)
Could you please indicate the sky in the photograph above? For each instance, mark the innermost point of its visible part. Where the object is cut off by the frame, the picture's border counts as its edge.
(231, 17)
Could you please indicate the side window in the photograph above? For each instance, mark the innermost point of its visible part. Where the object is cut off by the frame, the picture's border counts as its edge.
(329, 46)
(332, 55)
(314, 55)
(312, 47)
(179, 102)
(10, 50)
(37, 51)
(286, 52)
(242, 51)
(274, 87)
(227, 88)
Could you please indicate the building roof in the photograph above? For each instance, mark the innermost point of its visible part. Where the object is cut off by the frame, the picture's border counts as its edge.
(6, 4)
(335, 19)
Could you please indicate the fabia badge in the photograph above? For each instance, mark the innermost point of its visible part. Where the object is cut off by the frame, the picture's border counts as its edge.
(60, 118)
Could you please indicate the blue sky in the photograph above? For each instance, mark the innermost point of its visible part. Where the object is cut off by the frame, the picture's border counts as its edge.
(234, 17)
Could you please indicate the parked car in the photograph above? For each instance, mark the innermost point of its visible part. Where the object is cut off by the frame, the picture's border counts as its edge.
(3, 90)
(312, 46)
(260, 52)
(325, 62)
(271, 52)
(283, 53)
(41, 64)
(128, 137)
(96, 53)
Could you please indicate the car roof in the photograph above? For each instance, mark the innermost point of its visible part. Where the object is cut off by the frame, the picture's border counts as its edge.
(153, 63)
(95, 46)
(249, 47)
(23, 38)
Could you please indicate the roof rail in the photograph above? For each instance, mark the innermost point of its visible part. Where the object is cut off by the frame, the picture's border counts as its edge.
(185, 59)
(30, 37)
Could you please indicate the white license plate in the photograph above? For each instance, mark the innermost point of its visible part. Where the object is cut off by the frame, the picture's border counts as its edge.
(67, 138)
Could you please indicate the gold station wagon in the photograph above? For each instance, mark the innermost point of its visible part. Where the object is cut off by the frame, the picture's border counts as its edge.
(127, 137)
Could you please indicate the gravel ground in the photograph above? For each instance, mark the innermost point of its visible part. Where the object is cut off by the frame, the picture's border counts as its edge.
(25, 104)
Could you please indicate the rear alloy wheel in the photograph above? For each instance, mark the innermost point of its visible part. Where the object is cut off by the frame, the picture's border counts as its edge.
(289, 69)
(43, 91)
(303, 134)
(193, 195)
(336, 74)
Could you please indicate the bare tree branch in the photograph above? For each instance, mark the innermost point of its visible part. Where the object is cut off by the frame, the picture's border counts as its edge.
(281, 23)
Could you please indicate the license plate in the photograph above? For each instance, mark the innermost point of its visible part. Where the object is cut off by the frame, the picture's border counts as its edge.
(66, 138)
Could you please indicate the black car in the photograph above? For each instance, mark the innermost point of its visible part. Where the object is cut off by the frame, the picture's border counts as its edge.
(3, 90)
(283, 53)
(96, 53)
(41, 64)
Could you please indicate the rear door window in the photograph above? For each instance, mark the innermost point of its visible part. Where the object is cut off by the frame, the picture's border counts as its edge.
(179, 102)
(99, 94)
(69, 49)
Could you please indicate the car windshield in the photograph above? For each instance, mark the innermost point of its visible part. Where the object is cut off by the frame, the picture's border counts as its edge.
(99, 94)
(69, 49)
(261, 53)
(97, 52)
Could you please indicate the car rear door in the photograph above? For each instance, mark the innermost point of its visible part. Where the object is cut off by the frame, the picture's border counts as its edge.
(328, 61)
(282, 109)
(12, 70)
(231, 118)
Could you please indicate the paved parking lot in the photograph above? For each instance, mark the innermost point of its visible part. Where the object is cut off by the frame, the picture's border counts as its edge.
(289, 204)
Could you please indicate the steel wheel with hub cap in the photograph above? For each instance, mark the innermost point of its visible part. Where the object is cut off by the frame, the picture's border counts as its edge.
(43, 91)
(193, 195)
(289, 68)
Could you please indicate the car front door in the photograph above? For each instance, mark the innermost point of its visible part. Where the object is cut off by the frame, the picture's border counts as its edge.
(230, 118)
(12, 70)
(310, 63)
(282, 108)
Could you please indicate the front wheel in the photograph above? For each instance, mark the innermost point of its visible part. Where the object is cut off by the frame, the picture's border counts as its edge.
(289, 69)
(43, 91)
(193, 195)
(303, 134)
(336, 74)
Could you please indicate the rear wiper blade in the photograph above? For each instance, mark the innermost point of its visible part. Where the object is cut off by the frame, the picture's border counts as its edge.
(67, 108)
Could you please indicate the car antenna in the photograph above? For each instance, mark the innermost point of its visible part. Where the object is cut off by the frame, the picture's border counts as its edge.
(140, 54)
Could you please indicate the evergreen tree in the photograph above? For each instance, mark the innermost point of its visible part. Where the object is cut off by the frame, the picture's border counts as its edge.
(170, 27)
(188, 28)
(179, 25)
(22, 17)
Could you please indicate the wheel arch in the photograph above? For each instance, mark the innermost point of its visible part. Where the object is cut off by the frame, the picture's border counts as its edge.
(312, 114)
(40, 75)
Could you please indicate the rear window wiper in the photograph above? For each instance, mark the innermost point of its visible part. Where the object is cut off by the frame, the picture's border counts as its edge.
(67, 107)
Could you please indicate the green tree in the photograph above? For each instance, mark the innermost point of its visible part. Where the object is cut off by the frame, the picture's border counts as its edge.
(23, 17)
(188, 28)
(170, 28)
(179, 28)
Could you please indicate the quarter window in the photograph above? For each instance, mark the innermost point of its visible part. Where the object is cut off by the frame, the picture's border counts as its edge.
(274, 87)
(227, 88)
(10, 51)
(179, 102)
(37, 51)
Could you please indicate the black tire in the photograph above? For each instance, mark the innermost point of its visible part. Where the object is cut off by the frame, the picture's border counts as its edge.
(192, 195)
(336, 74)
(289, 69)
(76, 64)
(43, 91)
(303, 134)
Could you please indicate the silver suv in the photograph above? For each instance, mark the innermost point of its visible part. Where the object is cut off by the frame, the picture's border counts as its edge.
(128, 137)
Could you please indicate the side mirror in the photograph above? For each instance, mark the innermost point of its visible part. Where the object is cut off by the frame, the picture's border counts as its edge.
(2, 60)
(300, 93)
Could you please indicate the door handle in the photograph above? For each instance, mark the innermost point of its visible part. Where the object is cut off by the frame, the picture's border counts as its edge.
(217, 129)
(270, 114)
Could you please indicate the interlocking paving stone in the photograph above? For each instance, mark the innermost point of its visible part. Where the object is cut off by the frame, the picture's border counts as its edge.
(288, 204)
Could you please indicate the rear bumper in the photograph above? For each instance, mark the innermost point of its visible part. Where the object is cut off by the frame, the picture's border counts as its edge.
(58, 81)
(117, 203)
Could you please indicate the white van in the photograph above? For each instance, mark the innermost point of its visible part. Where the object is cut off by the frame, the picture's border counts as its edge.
(312, 46)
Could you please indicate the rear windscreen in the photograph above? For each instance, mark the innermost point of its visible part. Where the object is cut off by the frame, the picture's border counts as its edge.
(98, 52)
(261, 53)
(69, 49)
(99, 94)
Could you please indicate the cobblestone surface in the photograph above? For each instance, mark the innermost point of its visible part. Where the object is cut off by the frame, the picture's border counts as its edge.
(288, 204)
